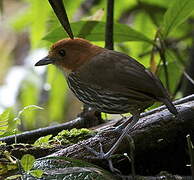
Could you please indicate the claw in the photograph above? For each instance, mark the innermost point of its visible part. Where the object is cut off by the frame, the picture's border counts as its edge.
(125, 127)
(99, 155)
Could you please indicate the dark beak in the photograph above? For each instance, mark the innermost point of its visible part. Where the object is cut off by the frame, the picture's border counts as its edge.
(45, 61)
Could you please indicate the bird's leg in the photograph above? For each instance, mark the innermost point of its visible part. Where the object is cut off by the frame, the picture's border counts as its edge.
(130, 157)
(119, 122)
(121, 126)
(123, 117)
(125, 130)
(107, 156)
(124, 133)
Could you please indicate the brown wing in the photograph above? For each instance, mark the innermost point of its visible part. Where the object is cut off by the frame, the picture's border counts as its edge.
(118, 72)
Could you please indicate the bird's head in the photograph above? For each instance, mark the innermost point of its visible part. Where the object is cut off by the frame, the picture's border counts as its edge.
(70, 54)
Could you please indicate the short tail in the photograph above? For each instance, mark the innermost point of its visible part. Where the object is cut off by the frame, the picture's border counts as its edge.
(170, 106)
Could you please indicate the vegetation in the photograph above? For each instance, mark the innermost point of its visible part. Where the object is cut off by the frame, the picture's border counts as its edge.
(159, 34)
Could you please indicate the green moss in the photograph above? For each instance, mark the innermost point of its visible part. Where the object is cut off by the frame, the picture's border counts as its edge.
(73, 136)
(64, 137)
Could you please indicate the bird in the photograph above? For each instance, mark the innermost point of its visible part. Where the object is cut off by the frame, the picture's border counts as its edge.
(107, 81)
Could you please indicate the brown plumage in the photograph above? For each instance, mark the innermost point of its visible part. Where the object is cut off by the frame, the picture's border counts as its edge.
(106, 80)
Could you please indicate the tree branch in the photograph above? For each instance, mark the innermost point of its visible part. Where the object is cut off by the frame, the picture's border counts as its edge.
(80, 122)
(157, 138)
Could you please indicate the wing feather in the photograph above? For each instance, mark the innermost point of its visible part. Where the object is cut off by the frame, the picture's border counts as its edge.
(117, 72)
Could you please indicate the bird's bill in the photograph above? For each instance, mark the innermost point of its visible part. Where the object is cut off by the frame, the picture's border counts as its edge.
(45, 61)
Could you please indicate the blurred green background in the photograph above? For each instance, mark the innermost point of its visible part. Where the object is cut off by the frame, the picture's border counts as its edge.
(28, 28)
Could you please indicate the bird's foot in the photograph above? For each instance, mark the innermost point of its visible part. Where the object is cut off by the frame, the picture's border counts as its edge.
(102, 156)
(98, 155)
(125, 127)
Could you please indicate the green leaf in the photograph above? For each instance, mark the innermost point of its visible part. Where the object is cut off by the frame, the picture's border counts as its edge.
(68, 168)
(43, 141)
(94, 31)
(176, 14)
(4, 117)
(8, 126)
(27, 162)
(36, 173)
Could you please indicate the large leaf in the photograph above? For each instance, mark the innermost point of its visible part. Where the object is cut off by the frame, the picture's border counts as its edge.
(94, 31)
(68, 168)
(27, 162)
(176, 14)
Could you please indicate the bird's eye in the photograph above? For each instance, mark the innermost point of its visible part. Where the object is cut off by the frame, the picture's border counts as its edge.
(62, 52)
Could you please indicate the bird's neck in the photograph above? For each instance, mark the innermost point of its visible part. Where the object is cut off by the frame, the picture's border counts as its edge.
(86, 56)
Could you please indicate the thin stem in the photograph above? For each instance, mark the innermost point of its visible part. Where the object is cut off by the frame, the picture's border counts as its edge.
(162, 55)
(161, 49)
(109, 42)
